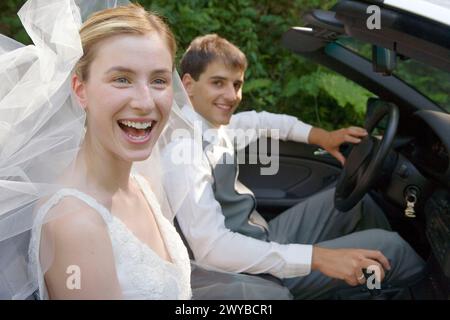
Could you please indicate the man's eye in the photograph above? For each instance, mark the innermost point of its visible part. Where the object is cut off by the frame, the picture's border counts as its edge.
(218, 83)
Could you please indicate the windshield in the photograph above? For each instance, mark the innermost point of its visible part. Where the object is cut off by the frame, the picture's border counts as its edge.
(428, 80)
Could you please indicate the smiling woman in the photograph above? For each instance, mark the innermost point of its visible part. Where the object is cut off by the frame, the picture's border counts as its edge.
(126, 95)
(93, 226)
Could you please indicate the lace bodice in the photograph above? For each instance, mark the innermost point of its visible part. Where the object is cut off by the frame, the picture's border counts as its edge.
(142, 274)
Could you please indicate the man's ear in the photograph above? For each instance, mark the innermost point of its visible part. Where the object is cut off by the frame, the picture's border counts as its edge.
(79, 89)
(188, 83)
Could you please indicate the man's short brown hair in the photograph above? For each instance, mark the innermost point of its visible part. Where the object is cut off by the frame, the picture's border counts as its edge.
(209, 48)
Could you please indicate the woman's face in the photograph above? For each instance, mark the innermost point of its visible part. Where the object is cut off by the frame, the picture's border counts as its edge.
(128, 94)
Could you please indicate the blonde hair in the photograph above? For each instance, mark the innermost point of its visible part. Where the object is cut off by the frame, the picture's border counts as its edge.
(130, 19)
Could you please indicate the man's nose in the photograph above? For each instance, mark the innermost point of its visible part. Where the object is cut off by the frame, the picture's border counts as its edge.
(231, 93)
(143, 99)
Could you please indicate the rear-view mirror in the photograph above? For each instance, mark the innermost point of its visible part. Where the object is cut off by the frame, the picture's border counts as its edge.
(383, 60)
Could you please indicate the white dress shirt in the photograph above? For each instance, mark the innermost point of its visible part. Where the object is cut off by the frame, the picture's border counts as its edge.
(200, 216)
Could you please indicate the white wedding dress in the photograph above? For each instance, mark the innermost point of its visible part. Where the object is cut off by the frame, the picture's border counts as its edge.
(142, 273)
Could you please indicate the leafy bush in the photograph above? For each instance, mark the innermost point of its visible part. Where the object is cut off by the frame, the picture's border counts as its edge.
(10, 24)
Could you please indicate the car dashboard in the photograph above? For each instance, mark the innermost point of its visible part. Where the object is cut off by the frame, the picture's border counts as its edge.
(427, 148)
(428, 153)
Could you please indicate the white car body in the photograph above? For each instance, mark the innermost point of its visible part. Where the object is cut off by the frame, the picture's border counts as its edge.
(437, 10)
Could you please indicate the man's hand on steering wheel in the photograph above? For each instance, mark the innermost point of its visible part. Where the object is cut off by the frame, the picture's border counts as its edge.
(331, 140)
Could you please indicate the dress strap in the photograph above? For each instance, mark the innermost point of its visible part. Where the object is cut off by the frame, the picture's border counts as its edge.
(67, 192)
(151, 198)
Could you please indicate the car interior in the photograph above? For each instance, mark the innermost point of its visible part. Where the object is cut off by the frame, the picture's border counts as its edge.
(404, 164)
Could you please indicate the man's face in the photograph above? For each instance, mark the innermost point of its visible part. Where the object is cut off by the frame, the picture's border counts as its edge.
(217, 93)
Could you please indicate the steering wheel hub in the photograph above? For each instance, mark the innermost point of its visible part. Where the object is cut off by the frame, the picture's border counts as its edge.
(358, 156)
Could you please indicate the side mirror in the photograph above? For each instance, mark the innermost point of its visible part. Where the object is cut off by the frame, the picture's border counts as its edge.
(384, 60)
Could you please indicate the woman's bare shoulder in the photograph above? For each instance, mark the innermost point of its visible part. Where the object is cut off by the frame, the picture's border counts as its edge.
(73, 219)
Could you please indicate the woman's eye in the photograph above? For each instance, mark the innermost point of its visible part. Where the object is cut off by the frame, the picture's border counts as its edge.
(122, 80)
(160, 81)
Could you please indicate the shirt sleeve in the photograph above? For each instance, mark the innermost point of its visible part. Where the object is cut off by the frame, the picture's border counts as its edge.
(257, 124)
(202, 222)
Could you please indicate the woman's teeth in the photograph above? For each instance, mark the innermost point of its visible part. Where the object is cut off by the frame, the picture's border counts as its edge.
(136, 125)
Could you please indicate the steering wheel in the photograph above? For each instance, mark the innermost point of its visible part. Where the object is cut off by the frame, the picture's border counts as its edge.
(366, 159)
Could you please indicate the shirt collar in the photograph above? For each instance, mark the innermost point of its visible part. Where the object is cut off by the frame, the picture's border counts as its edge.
(210, 133)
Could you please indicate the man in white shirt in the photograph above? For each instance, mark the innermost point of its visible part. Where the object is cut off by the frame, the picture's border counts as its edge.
(308, 246)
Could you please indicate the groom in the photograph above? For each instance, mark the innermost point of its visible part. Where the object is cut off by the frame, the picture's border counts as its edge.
(310, 246)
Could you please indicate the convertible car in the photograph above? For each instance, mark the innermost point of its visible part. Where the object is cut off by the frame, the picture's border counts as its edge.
(404, 60)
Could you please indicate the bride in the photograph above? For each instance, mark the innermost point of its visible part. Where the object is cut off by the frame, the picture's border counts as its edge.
(101, 233)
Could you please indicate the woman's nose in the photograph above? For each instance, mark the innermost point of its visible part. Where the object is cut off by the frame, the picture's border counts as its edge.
(143, 99)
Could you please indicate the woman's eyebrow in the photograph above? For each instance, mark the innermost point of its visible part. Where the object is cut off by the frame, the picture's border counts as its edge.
(120, 69)
(128, 70)
(159, 71)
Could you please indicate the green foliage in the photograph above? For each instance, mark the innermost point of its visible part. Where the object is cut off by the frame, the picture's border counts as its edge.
(432, 82)
(10, 24)
(277, 80)
(346, 93)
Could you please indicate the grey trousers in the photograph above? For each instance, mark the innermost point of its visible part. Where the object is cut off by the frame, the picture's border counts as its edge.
(316, 221)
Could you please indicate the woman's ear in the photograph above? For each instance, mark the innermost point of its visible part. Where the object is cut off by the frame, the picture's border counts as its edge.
(188, 83)
(79, 89)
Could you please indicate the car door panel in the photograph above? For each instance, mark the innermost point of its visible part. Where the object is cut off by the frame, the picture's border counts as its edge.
(301, 172)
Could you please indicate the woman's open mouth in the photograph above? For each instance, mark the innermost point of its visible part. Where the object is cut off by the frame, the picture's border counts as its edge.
(136, 132)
